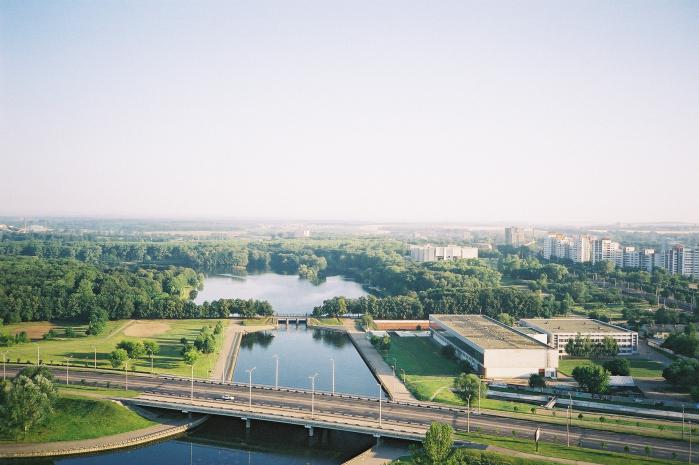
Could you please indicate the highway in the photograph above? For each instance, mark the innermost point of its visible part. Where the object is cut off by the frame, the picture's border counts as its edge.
(366, 411)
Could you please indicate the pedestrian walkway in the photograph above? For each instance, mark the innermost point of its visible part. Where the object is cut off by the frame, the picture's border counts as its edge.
(383, 372)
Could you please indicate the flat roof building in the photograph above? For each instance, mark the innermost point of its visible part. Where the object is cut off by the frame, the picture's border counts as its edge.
(429, 253)
(494, 349)
(561, 330)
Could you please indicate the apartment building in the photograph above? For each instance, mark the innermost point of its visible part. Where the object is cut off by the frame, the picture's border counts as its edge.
(561, 330)
(428, 253)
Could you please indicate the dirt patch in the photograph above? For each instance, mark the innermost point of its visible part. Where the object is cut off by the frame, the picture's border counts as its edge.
(146, 328)
(36, 330)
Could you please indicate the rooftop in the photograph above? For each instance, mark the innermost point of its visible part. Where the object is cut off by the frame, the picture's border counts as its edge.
(573, 325)
(487, 333)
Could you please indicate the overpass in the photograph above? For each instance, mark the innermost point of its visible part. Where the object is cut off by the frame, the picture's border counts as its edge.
(404, 420)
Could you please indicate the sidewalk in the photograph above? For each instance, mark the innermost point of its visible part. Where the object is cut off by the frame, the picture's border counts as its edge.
(395, 388)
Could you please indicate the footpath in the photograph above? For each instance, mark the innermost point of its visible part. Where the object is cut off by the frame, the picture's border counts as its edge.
(167, 428)
(232, 336)
(383, 372)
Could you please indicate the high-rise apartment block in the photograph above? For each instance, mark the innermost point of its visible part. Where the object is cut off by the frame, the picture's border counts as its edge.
(428, 253)
(516, 236)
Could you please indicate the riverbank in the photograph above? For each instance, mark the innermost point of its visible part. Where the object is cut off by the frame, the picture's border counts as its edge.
(228, 356)
(166, 428)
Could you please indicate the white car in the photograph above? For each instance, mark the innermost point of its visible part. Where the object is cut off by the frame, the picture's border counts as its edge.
(227, 397)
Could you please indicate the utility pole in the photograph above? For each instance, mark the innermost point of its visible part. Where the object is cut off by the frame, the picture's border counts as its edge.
(250, 385)
(313, 394)
(276, 371)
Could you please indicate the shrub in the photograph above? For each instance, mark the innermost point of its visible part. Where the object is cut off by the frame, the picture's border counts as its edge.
(69, 331)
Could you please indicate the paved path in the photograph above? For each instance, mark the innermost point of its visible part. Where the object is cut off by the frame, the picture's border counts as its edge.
(233, 335)
(376, 363)
(167, 427)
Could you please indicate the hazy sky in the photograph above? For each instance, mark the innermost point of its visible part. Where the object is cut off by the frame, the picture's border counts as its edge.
(376, 110)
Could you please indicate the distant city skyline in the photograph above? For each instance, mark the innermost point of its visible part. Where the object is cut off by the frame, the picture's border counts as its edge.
(578, 113)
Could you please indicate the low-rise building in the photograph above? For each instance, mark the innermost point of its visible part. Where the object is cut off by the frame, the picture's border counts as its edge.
(561, 330)
(494, 349)
(429, 253)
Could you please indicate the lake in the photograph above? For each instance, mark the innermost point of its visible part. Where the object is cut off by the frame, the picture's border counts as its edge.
(302, 352)
(288, 294)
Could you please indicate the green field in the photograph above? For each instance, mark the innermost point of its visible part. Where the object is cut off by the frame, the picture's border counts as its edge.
(166, 333)
(640, 367)
(77, 417)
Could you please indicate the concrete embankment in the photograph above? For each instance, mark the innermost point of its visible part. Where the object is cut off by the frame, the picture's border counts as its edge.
(379, 454)
(227, 359)
(173, 427)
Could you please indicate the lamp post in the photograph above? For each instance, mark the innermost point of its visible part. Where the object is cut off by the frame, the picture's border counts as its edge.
(67, 361)
(250, 385)
(479, 397)
(468, 414)
(126, 374)
(94, 348)
(191, 382)
(4, 360)
(689, 423)
(151, 364)
(332, 360)
(402, 371)
(682, 421)
(380, 395)
(276, 371)
(38, 360)
(313, 393)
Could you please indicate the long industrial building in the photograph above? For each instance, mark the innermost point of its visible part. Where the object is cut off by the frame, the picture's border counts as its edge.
(493, 349)
(561, 330)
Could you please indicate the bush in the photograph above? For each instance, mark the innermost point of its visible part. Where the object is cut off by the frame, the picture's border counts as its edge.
(21, 337)
(69, 331)
(50, 334)
(618, 366)
(537, 381)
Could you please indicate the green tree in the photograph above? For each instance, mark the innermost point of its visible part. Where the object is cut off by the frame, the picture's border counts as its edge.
(437, 447)
(119, 358)
(506, 318)
(469, 386)
(593, 378)
(151, 347)
(28, 402)
(618, 366)
(135, 349)
(97, 322)
(537, 381)
(190, 357)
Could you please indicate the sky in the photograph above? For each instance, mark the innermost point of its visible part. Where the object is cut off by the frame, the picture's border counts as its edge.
(351, 110)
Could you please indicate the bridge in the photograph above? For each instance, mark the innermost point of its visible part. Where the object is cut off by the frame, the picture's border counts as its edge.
(291, 318)
(394, 419)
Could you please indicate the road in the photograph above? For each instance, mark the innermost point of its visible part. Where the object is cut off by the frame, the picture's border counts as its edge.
(366, 410)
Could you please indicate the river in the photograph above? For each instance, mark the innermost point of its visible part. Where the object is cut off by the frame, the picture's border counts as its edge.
(288, 294)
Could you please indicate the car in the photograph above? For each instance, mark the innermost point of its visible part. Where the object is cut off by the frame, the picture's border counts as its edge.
(227, 397)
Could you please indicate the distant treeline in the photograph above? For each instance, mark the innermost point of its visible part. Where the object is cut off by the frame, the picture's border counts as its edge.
(55, 289)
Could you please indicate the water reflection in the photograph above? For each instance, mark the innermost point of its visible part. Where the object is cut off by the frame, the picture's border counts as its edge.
(303, 352)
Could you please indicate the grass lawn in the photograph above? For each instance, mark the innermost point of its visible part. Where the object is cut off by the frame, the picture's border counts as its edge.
(327, 321)
(257, 321)
(167, 333)
(84, 418)
(640, 367)
(553, 451)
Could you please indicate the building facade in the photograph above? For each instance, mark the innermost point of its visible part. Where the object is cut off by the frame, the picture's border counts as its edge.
(560, 330)
(428, 253)
(493, 349)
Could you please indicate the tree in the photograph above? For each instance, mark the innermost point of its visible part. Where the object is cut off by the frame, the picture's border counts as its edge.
(469, 386)
(608, 347)
(28, 402)
(135, 349)
(190, 357)
(437, 447)
(151, 347)
(506, 318)
(537, 381)
(218, 329)
(118, 358)
(341, 306)
(368, 322)
(592, 378)
(97, 322)
(618, 366)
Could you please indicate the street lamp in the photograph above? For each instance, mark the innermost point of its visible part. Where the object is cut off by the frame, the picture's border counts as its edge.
(126, 374)
(151, 363)
(683, 421)
(276, 371)
(95, 358)
(250, 385)
(38, 360)
(333, 385)
(4, 360)
(67, 361)
(380, 395)
(313, 393)
(468, 413)
(191, 382)
(479, 397)
(690, 440)
(570, 417)
(402, 371)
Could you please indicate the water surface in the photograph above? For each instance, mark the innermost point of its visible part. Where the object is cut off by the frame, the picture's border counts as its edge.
(288, 294)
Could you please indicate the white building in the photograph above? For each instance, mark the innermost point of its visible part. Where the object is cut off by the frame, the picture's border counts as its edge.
(515, 236)
(428, 253)
(493, 349)
(561, 330)
(581, 249)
